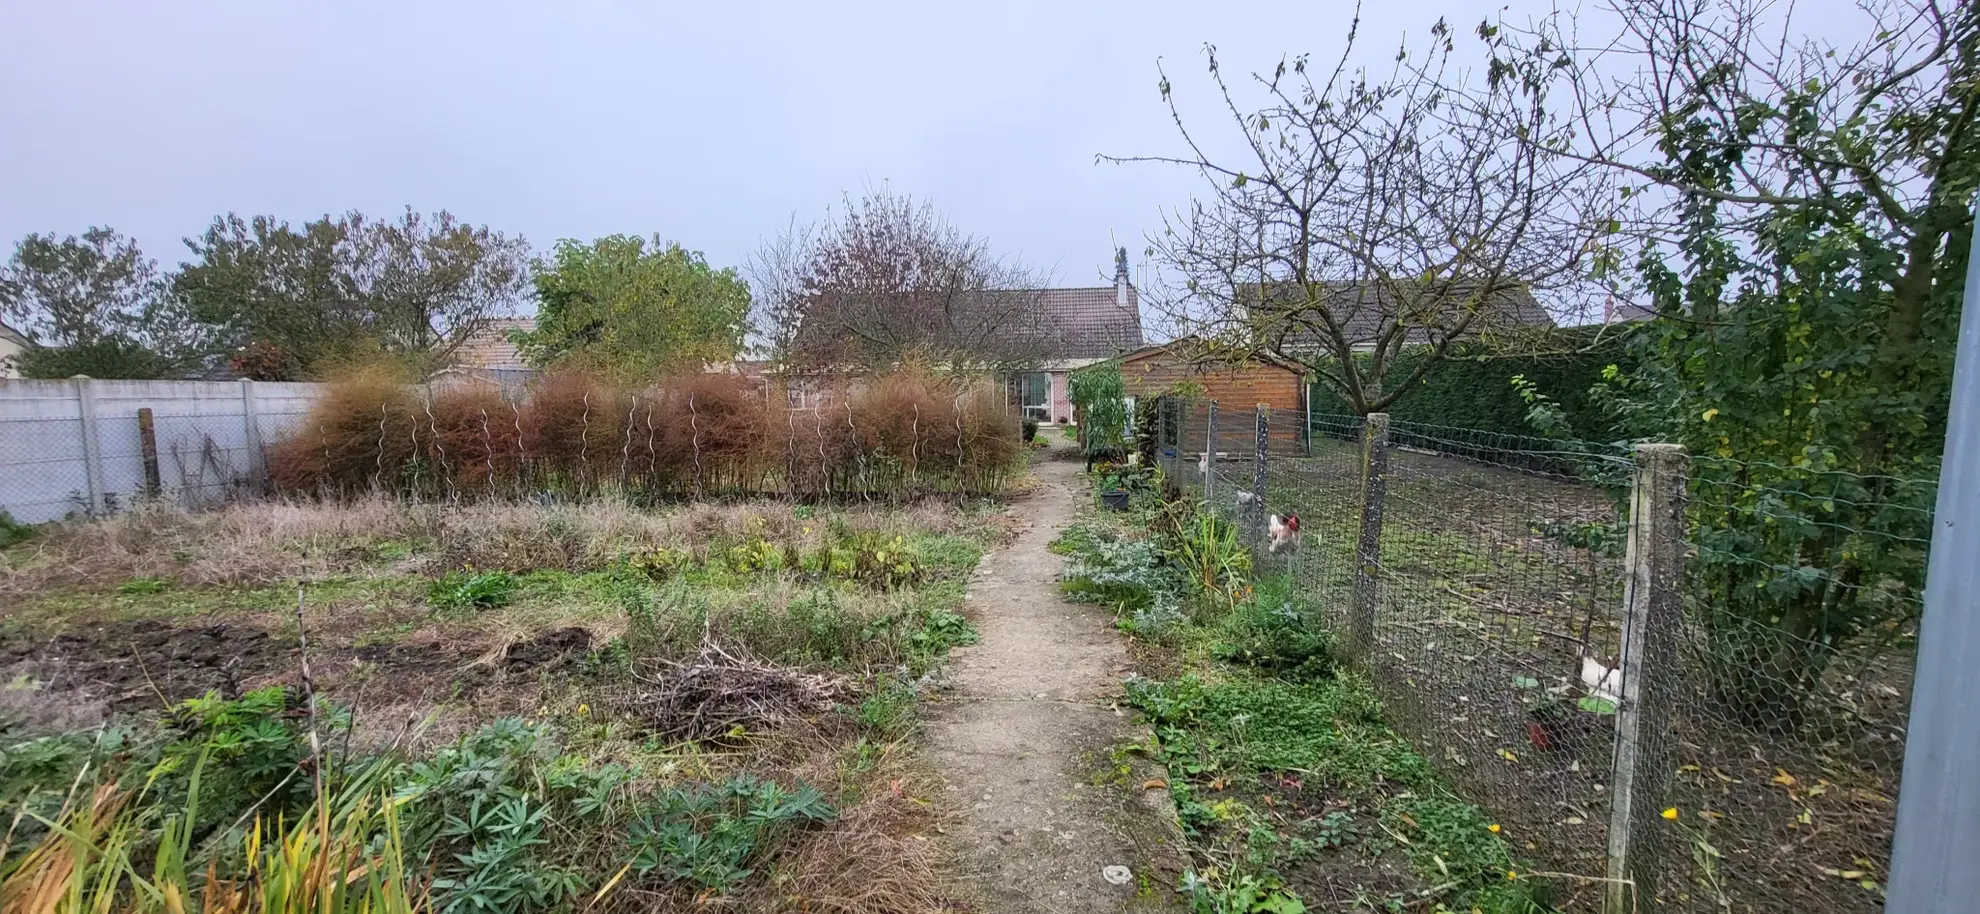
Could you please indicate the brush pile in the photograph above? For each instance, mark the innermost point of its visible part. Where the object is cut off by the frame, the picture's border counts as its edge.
(716, 691)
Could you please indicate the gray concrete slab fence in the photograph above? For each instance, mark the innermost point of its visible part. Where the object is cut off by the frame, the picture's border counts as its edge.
(75, 447)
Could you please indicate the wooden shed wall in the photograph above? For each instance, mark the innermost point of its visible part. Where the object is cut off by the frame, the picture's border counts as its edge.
(1238, 391)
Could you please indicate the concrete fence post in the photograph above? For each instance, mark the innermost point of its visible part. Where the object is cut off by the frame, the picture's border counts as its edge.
(1368, 544)
(1262, 438)
(251, 426)
(1653, 613)
(1210, 456)
(92, 446)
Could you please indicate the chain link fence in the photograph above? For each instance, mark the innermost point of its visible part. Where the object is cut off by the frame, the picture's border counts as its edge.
(1679, 684)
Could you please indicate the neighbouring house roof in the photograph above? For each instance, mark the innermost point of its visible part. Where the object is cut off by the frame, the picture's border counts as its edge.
(16, 337)
(490, 347)
(1090, 323)
(1073, 324)
(1366, 310)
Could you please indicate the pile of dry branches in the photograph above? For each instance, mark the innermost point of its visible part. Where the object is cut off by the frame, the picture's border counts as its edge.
(716, 691)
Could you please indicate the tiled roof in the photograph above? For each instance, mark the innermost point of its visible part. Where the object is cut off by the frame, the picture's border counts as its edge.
(1365, 310)
(1082, 323)
(1089, 323)
(490, 347)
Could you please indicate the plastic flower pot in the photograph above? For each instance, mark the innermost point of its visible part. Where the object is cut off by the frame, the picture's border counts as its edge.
(1117, 499)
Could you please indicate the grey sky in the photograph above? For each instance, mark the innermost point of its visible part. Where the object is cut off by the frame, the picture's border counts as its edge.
(711, 124)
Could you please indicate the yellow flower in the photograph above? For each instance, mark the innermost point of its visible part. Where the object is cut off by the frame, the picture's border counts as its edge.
(1671, 813)
(583, 710)
(1511, 874)
(1493, 828)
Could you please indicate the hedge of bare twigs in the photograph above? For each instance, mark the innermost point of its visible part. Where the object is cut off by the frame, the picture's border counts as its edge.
(907, 433)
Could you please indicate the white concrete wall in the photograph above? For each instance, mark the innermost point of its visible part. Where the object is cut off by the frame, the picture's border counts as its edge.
(205, 431)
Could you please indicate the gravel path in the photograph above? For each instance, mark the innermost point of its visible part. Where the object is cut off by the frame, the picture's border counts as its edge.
(1045, 819)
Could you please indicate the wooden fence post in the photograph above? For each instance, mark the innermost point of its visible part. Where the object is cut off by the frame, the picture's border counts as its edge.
(92, 447)
(1653, 612)
(1210, 456)
(148, 450)
(1368, 547)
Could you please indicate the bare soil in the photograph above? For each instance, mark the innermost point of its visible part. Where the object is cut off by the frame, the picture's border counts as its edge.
(1023, 734)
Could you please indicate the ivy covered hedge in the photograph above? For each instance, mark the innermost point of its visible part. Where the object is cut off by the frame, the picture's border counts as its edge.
(1475, 391)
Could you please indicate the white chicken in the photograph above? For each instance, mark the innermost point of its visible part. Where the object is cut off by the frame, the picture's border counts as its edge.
(1203, 464)
(1284, 532)
(1602, 680)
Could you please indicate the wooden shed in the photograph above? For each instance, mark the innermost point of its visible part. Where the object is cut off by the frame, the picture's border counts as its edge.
(1239, 389)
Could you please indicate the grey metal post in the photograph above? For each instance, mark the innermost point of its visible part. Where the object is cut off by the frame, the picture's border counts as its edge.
(257, 461)
(1263, 438)
(1938, 814)
(1653, 611)
(92, 448)
(1368, 547)
(1210, 455)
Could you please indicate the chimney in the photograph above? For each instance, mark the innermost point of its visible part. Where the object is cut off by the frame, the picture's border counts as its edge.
(1121, 284)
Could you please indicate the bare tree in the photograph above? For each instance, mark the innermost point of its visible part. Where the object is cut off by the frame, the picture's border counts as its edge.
(888, 278)
(1369, 214)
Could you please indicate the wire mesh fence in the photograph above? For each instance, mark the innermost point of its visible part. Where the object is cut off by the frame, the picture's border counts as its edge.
(1685, 691)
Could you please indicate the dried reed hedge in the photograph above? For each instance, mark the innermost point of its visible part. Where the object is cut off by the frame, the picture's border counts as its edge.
(903, 434)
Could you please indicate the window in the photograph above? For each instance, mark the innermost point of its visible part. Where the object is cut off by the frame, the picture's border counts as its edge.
(1035, 395)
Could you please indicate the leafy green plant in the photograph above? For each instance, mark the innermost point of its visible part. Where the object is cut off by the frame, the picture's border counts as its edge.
(1277, 629)
(711, 835)
(13, 531)
(144, 586)
(466, 590)
(1101, 398)
(484, 811)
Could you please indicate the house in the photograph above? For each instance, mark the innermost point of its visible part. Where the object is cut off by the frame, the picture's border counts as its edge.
(1060, 331)
(1239, 388)
(1367, 311)
(1083, 326)
(490, 353)
(12, 343)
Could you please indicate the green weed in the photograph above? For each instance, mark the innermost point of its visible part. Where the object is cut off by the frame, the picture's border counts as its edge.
(469, 590)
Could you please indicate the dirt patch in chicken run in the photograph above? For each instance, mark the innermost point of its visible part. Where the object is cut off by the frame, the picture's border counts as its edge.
(1487, 611)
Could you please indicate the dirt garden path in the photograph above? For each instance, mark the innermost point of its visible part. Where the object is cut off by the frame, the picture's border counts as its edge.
(1021, 736)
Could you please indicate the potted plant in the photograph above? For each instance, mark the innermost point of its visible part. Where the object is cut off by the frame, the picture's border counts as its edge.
(1113, 488)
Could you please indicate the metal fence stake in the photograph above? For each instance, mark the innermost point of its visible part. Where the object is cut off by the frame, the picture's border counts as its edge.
(1938, 814)
(1653, 612)
(1210, 455)
(1263, 438)
(92, 447)
(1368, 547)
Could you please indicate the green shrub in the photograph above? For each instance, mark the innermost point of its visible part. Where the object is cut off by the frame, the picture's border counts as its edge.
(1475, 390)
(465, 590)
(1278, 630)
(1030, 428)
(12, 531)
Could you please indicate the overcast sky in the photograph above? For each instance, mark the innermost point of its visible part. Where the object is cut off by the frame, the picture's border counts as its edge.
(710, 124)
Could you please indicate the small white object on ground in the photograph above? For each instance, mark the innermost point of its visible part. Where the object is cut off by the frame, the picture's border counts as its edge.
(1117, 875)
